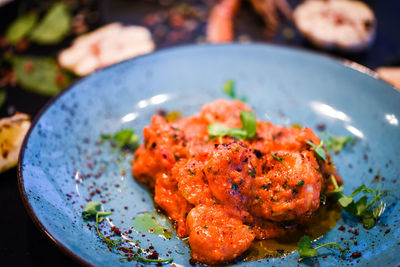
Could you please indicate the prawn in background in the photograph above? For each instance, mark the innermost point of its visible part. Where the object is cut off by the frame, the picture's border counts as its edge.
(220, 24)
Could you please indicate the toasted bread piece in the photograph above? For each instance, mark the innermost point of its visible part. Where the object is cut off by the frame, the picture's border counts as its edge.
(12, 133)
(390, 75)
(344, 25)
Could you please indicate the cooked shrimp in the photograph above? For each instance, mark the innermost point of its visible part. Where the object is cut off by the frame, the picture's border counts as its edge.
(290, 190)
(226, 186)
(220, 21)
(217, 234)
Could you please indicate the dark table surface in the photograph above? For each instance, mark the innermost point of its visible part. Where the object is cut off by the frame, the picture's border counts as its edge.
(22, 244)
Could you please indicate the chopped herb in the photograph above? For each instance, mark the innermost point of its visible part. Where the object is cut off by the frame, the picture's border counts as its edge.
(205, 226)
(368, 211)
(235, 187)
(125, 138)
(92, 209)
(229, 90)
(238, 133)
(337, 143)
(300, 183)
(249, 123)
(252, 172)
(305, 250)
(248, 130)
(319, 150)
(278, 158)
(217, 130)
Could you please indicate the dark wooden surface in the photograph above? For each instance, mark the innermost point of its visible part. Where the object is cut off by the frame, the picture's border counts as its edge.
(22, 244)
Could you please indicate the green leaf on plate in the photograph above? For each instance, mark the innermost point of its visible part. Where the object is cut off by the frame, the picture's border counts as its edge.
(126, 137)
(304, 247)
(237, 133)
(249, 123)
(55, 25)
(337, 143)
(40, 74)
(229, 89)
(319, 150)
(20, 27)
(217, 130)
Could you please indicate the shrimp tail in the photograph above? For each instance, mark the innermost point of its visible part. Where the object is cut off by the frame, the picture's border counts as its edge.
(220, 22)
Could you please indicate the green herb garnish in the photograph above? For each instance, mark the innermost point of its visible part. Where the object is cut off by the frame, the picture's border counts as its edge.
(337, 143)
(235, 187)
(248, 130)
(229, 90)
(300, 183)
(55, 25)
(305, 250)
(126, 138)
(20, 27)
(92, 210)
(40, 75)
(249, 123)
(368, 211)
(319, 150)
(278, 158)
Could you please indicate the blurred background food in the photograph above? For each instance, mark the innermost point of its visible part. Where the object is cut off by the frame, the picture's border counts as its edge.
(45, 45)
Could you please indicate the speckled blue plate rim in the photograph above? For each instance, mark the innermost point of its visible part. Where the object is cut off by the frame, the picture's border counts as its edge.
(347, 63)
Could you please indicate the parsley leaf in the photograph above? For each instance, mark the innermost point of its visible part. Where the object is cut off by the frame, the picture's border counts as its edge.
(248, 130)
(368, 211)
(217, 130)
(337, 143)
(319, 150)
(279, 159)
(92, 210)
(249, 123)
(126, 138)
(305, 250)
(304, 247)
(229, 90)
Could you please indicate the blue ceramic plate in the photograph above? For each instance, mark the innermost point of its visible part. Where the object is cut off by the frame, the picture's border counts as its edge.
(62, 162)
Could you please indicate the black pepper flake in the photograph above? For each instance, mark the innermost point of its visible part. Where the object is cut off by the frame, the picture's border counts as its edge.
(257, 153)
